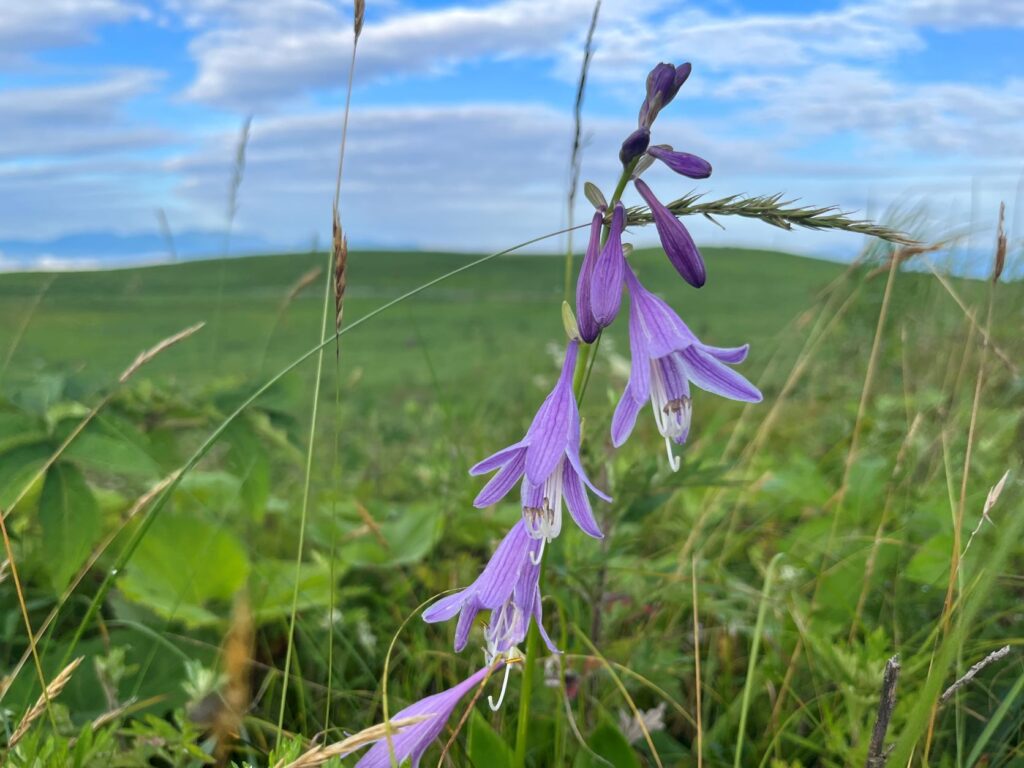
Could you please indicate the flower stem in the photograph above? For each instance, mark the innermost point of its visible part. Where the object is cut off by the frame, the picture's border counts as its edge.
(523, 721)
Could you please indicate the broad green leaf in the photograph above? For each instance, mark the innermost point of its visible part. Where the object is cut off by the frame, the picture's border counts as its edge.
(71, 522)
(18, 467)
(112, 454)
(272, 583)
(182, 565)
(609, 743)
(485, 745)
(410, 533)
(931, 561)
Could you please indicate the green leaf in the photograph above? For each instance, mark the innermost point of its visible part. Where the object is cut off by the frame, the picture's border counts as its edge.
(182, 565)
(18, 467)
(485, 745)
(608, 742)
(410, 533)
(71, 522)
(931, 562)
(272, 582)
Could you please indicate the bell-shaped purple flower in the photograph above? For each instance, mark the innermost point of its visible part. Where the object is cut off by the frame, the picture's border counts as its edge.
(675, 239)
(509, 587)
(547, 460)
(663, 83)
(412, 741)
(588, 327)
(682, 163)
(634, 145)
(606, 281)
(667, 358)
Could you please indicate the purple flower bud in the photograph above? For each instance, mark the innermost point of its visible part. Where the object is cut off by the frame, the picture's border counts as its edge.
(678, 245)
(584, 315)
(681, 162)
(663, 83)
(634, 145)
(606, 288)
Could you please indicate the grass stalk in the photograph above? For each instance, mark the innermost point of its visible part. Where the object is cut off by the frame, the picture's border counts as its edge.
(304, 512)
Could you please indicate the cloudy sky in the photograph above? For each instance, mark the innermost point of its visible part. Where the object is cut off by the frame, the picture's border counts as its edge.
(111, 110)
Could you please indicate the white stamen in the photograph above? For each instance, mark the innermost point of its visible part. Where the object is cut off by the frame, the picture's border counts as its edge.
(545, 522)
(495, 706)
(672, 416)
(673, 460)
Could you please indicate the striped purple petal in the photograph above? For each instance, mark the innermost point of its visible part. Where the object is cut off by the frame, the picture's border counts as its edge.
(502, 483)
(682, 162)
(713, 376)
(549, 433)
(412, 741)
(606, 282)
(584, 315)
(578, 503)
(675, 239)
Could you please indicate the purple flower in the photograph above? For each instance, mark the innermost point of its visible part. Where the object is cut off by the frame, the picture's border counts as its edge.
(412, 741)
(635, 145)
(606, 281)
(678, 245)
(509, 587)
(681, 162)
(663, 83)
(667, 357)
(548, 461)
(584, 315)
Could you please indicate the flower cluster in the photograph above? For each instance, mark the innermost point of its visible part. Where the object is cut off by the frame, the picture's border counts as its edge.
(546, 464)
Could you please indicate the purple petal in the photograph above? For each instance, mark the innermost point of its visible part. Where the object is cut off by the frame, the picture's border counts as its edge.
(730, 355)
(501, 483)
(446, 607)
(682, 162)
(412, 741)
(496, 582)
(660, 331)
(573, 454)
(549, 432)
(584, 315)
(465, 624)
(496, 460)
(625, 416)
(538, 617)
(713, 376)
(578, 503)
(606, 290)
(675, 239)
(634, 145)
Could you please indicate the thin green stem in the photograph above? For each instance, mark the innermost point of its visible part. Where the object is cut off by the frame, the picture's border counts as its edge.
(303, 515)
(748, 684)
(523, 722)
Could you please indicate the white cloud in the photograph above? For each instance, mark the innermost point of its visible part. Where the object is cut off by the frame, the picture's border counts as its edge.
(26, 27)
(75, 119)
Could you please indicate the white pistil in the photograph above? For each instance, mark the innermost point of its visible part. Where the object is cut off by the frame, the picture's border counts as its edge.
(671, 416)
(540, 553)
(496, 705)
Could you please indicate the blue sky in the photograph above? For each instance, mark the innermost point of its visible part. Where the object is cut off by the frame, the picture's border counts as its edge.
(461, 122)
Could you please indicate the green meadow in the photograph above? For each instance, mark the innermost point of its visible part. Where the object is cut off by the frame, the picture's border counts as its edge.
(747, 604)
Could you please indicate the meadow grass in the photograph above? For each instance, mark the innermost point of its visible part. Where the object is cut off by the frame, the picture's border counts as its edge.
(860, 529)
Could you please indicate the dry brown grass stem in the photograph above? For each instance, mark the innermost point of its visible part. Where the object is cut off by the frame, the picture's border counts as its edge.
(97, 553)
(147, 355)
(340, 249)
(904, 254)
(986, 338)
(321, 754)
(299, 286)
(49, 693)
(1000, 257)
(973, 672)
(696, 667)
(23, 608)
(886, 706)
(235, 661)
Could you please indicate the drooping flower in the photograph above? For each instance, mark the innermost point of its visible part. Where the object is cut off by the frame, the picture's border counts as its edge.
(675, 239)
(509, 587)
(682, 163)
(606, 281)
(667, 358)
(663, 83)
(584, 315)
(412, 741)
(547, 460)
